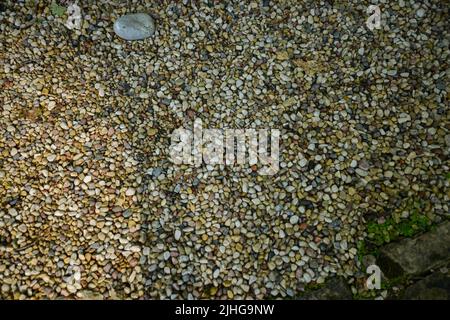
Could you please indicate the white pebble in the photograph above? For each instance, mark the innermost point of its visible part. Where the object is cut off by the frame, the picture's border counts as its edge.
(130, 192)
(294, 219)
(87, 179)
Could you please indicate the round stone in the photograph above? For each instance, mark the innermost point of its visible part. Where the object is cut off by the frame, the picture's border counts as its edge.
(294, 220)
(135, 26)
(420, 13)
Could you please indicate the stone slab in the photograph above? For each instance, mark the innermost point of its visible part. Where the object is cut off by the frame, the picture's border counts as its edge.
(417, 255)
(334, 289)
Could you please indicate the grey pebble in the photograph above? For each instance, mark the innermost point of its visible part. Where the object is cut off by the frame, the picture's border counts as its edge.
(135, 26)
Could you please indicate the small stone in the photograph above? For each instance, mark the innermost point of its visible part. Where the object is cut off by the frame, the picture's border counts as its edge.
(89, 295)
(307, 277)
(364, 165)
(156, 172)
(166, 255)
(71, 288)
(177, 234)
(282, 55)
(51, 157)
(12, 212)
(303, 162)
(63, 125)
(213, 291)
(87, 179)
(294, 219)
(130, 192)
(404, 117)
(420, 13)
(51, 105)
(388, 174)
(392, 72)
(361, 172)
(101, 92)
(136, 26)
(5, 288)
(77, 276)
(127, 213)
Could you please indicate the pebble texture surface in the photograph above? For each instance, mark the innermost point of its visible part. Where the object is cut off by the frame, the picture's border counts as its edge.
(91, 206)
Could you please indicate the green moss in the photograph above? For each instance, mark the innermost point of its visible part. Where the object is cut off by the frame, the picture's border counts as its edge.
(57, 10)
(391, 229)
(365, 295)
(312, 286)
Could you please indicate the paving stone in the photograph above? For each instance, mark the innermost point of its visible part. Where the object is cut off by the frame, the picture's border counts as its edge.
(335, 289)
(418, 255)
(434, 287)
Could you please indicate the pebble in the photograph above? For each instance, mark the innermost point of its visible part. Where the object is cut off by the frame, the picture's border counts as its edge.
(135, 26)
(303, 162)
(361, 172)
(294, 220)
(166, 255)
(156, 172)
(420, 13)
(404, 117)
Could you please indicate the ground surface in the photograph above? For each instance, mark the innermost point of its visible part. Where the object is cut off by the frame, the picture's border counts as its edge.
(91, 205)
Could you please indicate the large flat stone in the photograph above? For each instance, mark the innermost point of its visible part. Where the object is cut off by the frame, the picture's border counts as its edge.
(135, 26)
(418, 255)
(335, 289)
(433, 287)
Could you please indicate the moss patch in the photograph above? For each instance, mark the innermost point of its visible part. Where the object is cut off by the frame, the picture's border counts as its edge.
(392, 229)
